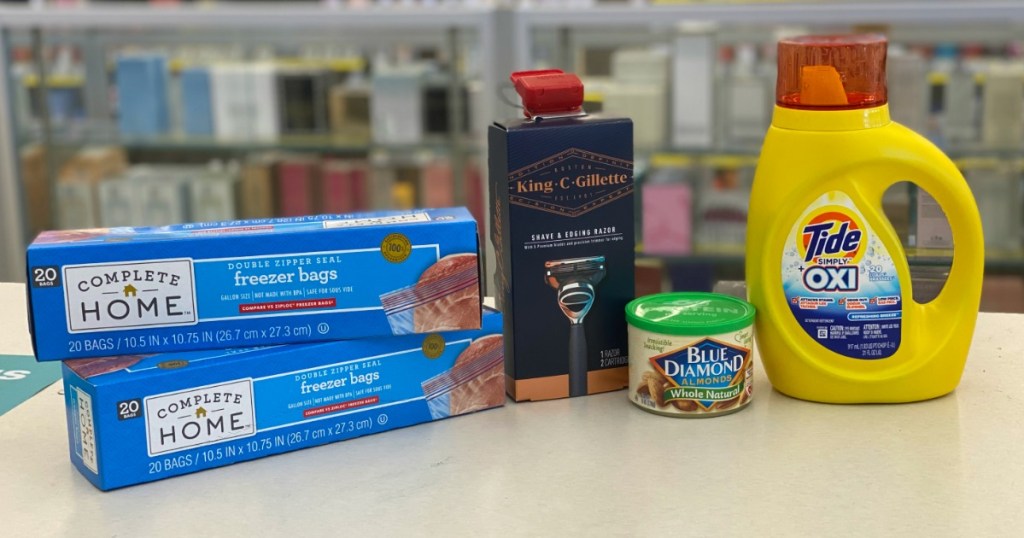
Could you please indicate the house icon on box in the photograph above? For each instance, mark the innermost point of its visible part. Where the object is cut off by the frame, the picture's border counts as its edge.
(130, 291)
(200, 413)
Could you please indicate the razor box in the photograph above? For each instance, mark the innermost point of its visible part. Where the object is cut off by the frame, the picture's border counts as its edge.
(562, 226)
(118, 291)
(134, 419)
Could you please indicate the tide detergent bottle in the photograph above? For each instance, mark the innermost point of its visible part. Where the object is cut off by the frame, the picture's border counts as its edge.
(826, 270)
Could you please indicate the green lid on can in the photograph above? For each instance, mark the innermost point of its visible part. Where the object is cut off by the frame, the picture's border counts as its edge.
(689, 313)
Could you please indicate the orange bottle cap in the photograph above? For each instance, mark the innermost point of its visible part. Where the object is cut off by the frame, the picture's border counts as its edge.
(832, 72)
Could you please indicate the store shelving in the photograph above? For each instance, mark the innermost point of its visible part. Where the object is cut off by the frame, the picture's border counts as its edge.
(695, 259)
(775, 12)
(559, 36)
(668, 16)
(97, 29)
(244, 15)
(503, 38)
(340, 145)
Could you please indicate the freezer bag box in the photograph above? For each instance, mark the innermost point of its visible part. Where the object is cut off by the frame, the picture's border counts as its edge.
(562, 226)
(123, 291)
(140, 418)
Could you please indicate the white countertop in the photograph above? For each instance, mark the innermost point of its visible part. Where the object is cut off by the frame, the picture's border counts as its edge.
(586, 466)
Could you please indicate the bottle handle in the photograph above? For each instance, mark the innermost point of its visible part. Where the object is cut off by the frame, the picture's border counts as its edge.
(932, 171)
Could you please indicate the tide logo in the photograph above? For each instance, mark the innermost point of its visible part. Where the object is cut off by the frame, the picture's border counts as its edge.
(832, 236)
(832, 244)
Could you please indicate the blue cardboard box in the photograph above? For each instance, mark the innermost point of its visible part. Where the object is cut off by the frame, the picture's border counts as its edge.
(142, 95)
(121, 291)
(562, 225)
(134, 419)
(196, 102)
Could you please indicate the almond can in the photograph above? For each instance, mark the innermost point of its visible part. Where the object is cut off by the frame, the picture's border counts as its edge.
(690, 354)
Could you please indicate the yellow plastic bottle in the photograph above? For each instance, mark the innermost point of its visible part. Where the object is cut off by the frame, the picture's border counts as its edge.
(836, 317)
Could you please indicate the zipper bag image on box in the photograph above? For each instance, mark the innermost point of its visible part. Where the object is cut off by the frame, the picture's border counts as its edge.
(562, 210)
(140, 418)
(444, 295)
(475, 382)
(828, 275)
(121, 291)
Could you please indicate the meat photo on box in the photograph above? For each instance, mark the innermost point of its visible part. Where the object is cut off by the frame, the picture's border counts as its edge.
(446, 297)
(476, 381)
(87, 368)
(71, 236)
(453, 281)
(487, 389)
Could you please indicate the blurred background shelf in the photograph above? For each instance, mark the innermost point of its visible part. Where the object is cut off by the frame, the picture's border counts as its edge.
(256, 15)
(774, 12)
(325, 143)
(385, 106)
(202, 111)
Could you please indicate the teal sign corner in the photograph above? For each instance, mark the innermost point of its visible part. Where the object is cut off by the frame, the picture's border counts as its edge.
(21, 377)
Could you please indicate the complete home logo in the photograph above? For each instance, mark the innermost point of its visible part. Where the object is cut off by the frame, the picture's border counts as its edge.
(129, 295)
(199, 416)
(571, 183)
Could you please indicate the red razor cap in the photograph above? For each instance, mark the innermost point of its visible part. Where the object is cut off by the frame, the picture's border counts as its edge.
(548, 91)
(832, 72)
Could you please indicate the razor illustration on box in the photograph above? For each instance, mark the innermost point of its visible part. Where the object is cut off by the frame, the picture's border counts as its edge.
(576, 281)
